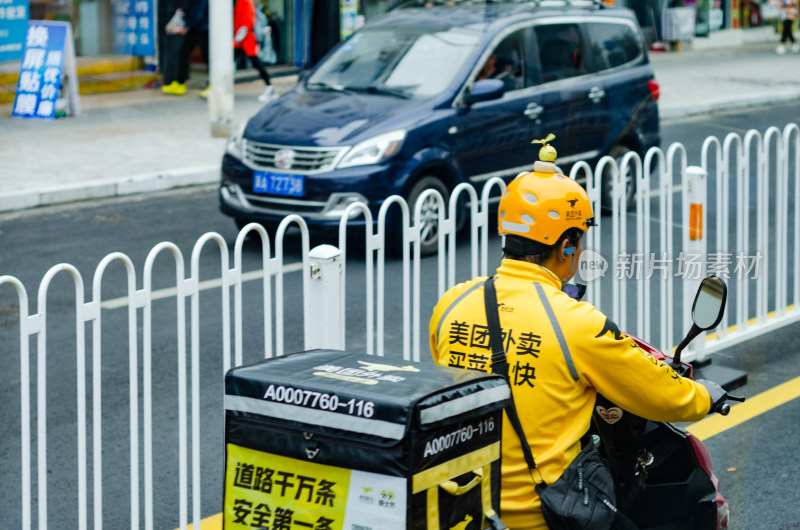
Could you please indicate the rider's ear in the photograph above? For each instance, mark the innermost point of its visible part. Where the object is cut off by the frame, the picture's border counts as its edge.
(567, 249)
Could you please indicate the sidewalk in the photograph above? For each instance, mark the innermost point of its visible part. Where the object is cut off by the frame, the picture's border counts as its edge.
(140, 141)
(706, 81)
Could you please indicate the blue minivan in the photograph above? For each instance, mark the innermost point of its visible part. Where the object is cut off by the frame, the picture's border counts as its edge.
(429, 96)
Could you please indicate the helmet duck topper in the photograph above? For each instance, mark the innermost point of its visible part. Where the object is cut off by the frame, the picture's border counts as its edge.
(541, 205)
(547, 155)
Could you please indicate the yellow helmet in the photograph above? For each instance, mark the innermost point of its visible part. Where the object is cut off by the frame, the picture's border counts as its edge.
(542, 205)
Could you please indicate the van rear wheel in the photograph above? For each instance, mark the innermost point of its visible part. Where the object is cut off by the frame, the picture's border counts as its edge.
(617, 152)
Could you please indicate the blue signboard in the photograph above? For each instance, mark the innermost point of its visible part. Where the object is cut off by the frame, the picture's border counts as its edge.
(39, 82)
(13, 23)
(134, 27)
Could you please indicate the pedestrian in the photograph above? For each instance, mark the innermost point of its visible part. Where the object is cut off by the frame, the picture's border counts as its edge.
(560, 352)
(245, 44)
(788, 16)
(173, 33)
(196, 35)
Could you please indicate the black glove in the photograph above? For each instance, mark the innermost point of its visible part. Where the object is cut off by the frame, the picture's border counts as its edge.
(717, 393)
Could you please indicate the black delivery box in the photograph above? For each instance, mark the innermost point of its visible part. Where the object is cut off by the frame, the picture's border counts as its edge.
(346, 441)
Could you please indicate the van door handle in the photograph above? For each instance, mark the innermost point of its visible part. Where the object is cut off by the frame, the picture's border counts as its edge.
(596, 94)
(533, 110)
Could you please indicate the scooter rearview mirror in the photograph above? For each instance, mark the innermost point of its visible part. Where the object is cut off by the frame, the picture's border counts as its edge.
(707, 311)
(709, 303)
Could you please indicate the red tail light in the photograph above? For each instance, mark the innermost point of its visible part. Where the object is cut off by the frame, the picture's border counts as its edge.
(704, 459)
(654, 89)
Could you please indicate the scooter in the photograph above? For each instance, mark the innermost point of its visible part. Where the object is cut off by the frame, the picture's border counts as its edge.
(663, 474)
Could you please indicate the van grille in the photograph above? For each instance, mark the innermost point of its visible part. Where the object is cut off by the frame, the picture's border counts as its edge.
(300, 159)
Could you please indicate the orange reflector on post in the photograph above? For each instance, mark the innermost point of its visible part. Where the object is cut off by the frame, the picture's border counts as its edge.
(695, 221)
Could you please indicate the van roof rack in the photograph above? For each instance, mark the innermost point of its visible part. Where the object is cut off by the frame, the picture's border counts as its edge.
(538, 3)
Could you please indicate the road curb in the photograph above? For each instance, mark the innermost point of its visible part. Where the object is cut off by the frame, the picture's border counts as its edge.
(105, 188)
(736, 103)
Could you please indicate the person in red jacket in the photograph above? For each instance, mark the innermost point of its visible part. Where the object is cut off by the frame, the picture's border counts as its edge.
(244, 43)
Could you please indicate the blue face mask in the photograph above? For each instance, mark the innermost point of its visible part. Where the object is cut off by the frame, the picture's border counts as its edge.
(574, 290)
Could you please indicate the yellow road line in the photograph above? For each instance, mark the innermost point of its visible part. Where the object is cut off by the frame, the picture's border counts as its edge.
(754, 406)
(210, 523)
(733, 327)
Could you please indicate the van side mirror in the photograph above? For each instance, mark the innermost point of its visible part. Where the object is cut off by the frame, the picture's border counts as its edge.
(707, 311)
(485, 90)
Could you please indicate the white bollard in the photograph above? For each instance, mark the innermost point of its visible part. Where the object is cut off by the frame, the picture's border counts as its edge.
(694, 249)
(325, 305)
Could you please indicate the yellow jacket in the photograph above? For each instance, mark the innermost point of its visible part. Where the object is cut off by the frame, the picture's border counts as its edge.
(554, 407)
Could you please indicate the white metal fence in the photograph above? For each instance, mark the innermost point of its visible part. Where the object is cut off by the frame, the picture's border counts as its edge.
(755, 181)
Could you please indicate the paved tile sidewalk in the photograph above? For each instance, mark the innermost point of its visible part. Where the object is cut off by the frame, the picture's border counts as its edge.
(716, 80)
(122, 143)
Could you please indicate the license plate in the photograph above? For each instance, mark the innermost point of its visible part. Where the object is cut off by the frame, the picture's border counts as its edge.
(278, 184)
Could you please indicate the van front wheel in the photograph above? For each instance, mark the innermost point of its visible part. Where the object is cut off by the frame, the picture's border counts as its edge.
(429, 219)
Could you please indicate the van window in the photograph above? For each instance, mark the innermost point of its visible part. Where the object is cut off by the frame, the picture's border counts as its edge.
(613, 44)
(560, 51)
(410, 61)
(506, 62)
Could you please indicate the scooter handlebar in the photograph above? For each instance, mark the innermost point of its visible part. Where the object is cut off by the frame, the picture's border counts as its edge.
(724, 409)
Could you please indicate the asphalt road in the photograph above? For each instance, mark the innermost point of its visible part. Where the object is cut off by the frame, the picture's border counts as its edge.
(756, 460)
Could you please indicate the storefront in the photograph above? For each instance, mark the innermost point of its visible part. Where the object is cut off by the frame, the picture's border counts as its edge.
(130, 27)
(756, 13)
(648, 13)
(108, 27)
(92, 22)
(372, 8)
(709, 15)
(288, 25)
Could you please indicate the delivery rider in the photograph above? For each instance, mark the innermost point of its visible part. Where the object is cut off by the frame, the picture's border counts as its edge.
(543, 216)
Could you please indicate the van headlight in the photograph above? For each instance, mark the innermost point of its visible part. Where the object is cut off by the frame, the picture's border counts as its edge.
(235, 145)
(375, 150)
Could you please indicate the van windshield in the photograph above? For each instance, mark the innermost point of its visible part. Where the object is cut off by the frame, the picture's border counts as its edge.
(400, 61)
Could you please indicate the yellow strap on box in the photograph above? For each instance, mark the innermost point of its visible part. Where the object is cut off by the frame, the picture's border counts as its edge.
(433, 508)
(486, 489)
(431, 478)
